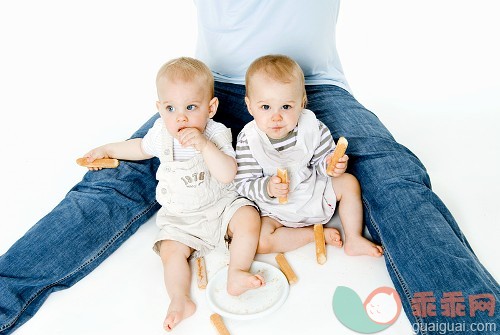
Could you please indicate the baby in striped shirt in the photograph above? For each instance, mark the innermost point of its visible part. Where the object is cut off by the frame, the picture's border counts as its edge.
(285, 135)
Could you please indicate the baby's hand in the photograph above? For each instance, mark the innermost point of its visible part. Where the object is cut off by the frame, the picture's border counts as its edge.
(341, 165)
(277, 189)
(94, 154)
(192, 137)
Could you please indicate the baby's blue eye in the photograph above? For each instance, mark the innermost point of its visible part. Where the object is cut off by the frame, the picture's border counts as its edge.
(191, 107)
(170, 108)
(265, 107)
(285, 107)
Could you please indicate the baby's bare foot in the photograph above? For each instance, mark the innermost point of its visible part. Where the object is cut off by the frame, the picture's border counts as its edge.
(179, 309)
(239, 281)
(358, 245)
(332, 237)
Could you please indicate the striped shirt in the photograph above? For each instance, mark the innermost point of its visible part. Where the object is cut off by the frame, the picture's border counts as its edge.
(250, 180)
(151, 143)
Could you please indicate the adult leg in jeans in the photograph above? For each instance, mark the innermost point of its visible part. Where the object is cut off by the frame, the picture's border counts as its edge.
(92, 221)
(424, 249)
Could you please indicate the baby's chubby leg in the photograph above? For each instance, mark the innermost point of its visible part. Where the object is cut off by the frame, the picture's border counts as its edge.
(348, 194)
(177, 275)
(244, 229)
(274, 237)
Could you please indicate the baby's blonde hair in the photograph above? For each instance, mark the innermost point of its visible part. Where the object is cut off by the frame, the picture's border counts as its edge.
(186, 69)
(277, 67)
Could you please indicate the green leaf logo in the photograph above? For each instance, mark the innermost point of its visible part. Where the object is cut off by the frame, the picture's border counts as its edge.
(379, 311)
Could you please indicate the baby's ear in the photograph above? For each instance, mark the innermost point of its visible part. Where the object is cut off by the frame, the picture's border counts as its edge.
(247, 101)
(159, 107)
(212, 106)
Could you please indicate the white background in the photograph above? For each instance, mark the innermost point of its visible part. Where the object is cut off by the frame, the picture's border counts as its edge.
(74, 75)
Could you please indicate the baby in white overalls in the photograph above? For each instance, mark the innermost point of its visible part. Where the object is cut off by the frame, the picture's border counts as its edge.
(200, 206)
(285, 135)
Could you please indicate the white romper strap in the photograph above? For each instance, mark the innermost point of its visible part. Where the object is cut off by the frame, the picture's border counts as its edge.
(167, 146)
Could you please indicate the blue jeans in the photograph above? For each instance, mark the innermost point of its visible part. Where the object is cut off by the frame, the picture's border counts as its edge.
(425, 251)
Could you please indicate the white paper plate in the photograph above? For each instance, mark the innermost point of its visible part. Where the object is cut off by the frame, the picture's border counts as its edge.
(253, 303)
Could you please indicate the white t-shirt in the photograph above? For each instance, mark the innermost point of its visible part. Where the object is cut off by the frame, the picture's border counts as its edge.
(151, 143)
(233, 33)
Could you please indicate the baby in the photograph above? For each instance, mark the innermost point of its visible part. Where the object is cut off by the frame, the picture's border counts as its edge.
(200, 207)
(285, 135)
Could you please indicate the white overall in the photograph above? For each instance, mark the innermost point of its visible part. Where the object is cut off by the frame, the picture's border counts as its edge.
(196, 208)
(311, 198)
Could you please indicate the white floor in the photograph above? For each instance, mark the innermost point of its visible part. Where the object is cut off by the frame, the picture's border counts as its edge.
(76, 76)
